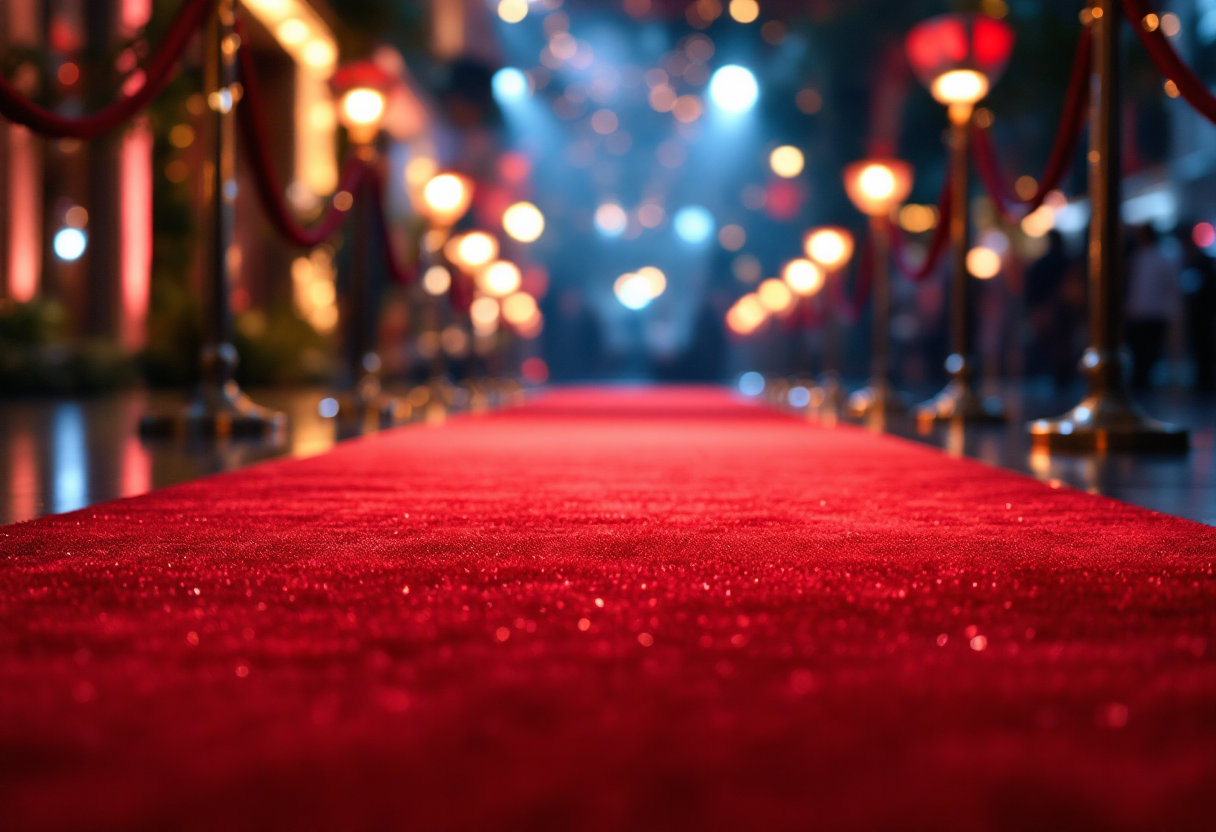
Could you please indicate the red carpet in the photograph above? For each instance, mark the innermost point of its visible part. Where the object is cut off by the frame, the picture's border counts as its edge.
(610, 610)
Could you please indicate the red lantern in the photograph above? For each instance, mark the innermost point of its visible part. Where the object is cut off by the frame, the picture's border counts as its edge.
(959, 56)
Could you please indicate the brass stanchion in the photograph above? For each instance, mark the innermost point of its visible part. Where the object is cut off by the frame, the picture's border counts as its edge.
(218, 407)
(958, 57)
(830, 248)
(361, 111)
(877, 187)
(1106, 420)
(958, 400)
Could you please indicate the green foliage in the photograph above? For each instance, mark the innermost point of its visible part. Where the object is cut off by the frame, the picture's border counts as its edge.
(277, 347)
(36, 358)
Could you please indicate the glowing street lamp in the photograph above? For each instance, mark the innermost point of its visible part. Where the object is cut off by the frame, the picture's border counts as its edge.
(830, 247)
(362, 89)
(877, 187)
(959, 57)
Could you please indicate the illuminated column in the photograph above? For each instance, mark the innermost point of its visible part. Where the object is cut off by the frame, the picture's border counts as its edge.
(135, 244)
(20, 169)
(135, 203)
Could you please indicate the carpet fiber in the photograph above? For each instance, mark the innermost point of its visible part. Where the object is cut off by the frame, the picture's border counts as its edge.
(658, 609)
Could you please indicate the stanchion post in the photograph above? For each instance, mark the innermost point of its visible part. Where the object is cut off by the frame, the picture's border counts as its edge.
(958, 57)
(1106, 420)
(877, 187)
(363, 88)
(218, 407)
(830, 248)
(958, 400)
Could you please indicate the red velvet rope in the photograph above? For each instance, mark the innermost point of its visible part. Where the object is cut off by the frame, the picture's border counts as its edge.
(850, 308)
(157, 73)
(1190, 87)
(251, 115)
(938, 243)
(356, 176)
(1063, 148)
(397, 271)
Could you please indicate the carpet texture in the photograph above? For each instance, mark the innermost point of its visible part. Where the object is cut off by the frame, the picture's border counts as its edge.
(662, 609)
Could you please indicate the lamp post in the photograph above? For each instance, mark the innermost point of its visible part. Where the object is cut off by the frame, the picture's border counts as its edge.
(446, 198)
(362, 89)
(1106, 419)
(958, 57)
(830, 247)
(877, 187)
(218, 407)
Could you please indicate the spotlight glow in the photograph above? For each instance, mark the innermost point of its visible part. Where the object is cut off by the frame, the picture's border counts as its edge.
(509, 85)
(694, 224)
(734, 89)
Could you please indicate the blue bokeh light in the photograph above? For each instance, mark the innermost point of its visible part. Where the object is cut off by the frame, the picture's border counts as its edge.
(694, 224)
(751, 384)
(70, 243)
(733, 88)
(510, 85)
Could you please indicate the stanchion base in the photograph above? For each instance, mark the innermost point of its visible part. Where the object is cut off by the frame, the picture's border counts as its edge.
(216, 411)
(959, 401)
(1107, 423)
(877, 399)
(832, 398)
(372, 408)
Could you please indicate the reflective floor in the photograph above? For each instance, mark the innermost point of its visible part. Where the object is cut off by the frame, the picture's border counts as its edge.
(61, 455)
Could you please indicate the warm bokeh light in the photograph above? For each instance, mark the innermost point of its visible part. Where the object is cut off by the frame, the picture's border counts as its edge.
(830, 247)
(775, 296)
(656, 281)
(436, 280)
(512, 11)
(362, 110)
(610, 219)
(419, 171)
(524, 222)
(746, 316)
(732, 237)
(917, 219)
(632, 291)
(483, 312)
(983, 263)
(786, 161)
(744, 11)
(519, 309)
(500, 278)
(877, 186)
(1039, 221)
(960, 86)
(803, 277)
(471, 251)
(446, 198)
(1204, 234)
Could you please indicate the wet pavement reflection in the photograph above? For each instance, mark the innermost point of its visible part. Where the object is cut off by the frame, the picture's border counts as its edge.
(62, 455)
